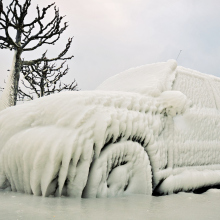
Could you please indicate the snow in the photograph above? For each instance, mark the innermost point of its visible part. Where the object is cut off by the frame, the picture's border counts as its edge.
(148, 128)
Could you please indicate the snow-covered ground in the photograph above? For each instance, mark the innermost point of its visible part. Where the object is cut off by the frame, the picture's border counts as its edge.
(16, 206)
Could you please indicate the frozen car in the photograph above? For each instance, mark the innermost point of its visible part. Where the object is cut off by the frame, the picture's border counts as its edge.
(151, 129)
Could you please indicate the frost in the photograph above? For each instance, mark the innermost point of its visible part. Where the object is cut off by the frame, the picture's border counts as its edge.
(146, 133)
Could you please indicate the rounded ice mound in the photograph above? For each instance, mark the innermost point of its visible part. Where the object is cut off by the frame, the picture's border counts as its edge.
(175, 102)
(172, 63)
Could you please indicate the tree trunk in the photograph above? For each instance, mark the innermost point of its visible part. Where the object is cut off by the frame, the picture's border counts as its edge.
(9, 95)
(16, 76)
(17, 67)
(42, 81)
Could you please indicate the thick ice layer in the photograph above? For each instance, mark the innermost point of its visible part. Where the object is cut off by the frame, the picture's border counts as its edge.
(151, 79)
(7, 97)
(47, 145)
(122, 168)
(188, 142)
(157, 131)
(194, 137)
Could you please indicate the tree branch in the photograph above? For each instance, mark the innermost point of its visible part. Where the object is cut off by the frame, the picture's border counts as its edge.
(59, 57)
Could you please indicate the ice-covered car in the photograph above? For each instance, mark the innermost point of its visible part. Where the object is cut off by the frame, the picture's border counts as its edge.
(151, 129)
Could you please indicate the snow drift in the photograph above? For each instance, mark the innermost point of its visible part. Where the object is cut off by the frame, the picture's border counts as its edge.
(133, 138)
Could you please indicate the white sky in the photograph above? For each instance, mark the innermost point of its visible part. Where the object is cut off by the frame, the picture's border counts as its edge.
(113, 35)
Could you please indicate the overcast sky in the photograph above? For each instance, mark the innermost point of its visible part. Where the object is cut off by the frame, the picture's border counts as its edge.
(111, 36)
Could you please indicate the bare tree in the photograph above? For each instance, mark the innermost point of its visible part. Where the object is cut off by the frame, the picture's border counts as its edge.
(1, 7)
(43, 79)
(30, 35)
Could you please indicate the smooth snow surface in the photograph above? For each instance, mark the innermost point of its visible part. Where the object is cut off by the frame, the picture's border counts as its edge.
(156, 132)
(179, 206)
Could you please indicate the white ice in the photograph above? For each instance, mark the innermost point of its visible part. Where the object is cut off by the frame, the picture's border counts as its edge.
(151, 128)
(7, 97)
(179, 206)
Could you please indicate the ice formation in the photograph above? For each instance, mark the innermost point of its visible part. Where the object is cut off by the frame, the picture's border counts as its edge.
(155, 129)
(7, 97)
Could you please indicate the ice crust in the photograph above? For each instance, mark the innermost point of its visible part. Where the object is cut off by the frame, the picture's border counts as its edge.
(151, 79)
(147, 132)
